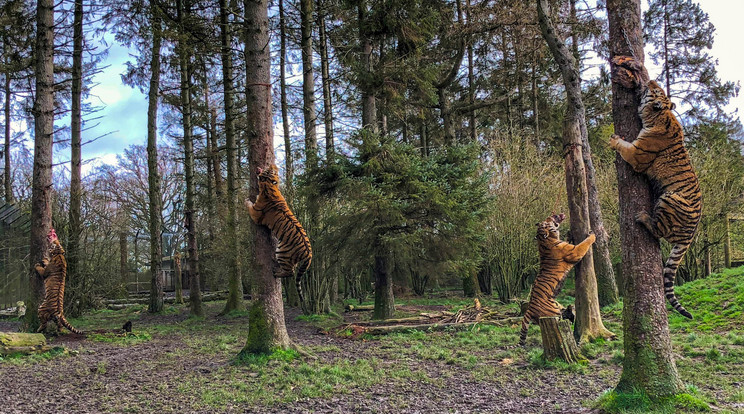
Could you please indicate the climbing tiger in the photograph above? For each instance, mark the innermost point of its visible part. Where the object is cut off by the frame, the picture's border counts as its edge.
(54, 273)
(557, 257)
(659, 152)
(271, 210)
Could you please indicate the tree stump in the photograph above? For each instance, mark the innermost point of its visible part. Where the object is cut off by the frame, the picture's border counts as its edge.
(558, 340)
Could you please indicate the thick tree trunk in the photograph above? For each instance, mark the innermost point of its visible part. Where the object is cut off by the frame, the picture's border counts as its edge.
(588, 324)
(76, 185)
(8, 181)
(41, 194)
(235, 286)
(648, 365)
(326, 80)
(178, 281)
(266, 328)
(188, 162)
(123, 261)
(384, 300)
(153, 176)
(288, 157)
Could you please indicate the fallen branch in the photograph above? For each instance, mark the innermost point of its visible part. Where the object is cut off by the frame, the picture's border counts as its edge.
(433, 327)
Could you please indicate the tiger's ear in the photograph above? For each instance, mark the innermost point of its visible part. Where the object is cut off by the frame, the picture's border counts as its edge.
(672, 106)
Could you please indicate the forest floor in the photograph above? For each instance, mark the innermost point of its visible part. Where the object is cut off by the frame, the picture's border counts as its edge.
(174, 363)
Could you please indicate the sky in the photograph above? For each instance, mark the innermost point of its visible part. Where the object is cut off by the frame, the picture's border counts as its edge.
(124, 117)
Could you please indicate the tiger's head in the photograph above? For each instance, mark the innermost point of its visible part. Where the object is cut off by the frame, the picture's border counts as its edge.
(268, 179)
(55, 248)
(654, 103)
(548, 229)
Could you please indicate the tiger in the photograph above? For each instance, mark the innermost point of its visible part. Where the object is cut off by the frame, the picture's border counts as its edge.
(557, 257)
(271, 210)
(54, 272)
(659, 152)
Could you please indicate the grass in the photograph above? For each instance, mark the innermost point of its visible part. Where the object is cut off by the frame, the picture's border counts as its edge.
(638, 402)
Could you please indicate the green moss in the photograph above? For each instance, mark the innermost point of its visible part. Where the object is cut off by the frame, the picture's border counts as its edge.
(636, 401)
(260, 339)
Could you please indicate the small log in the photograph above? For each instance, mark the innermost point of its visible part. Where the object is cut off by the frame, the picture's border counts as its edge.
(393, 321)
(25, 350)
(384, 330)
(20, 339)
(359, 308)
(558, 340)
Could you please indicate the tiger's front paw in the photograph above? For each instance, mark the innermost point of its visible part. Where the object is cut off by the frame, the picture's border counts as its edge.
(248, 204)
(615, 141)
(642, 217)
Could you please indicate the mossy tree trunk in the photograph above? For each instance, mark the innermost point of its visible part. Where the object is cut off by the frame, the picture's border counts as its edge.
(266, 328)
(588, 324)
(648, 365)
(384, 300)
(41, 193)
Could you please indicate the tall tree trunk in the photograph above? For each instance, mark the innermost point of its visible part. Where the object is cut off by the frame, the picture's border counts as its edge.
(8, 181)
(369, 110)
(535, 94)
(326, 80)
(219, 187)
(123, 260)
(648, 365)
(308, 84)
(235, 286)
(177, 279)
(727, 244)
(288, 159)
(471, 79)
(41, 194)
(384, 299)
(445, 108)
(266, 328)
(188, 163)
(153, 175)
(76, 185)
(588, 325)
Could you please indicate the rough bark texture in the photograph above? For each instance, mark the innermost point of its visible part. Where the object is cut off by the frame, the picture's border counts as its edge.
(648, 364)
(369, 106)
(588, 324)
(123, 261)
(153, 175)
(7, 173)
(41, 194)
(727, 245)
(288, 157)
(308, 84)
(76, 184)
(266, 328)
(235, 287)
(177, 280)
(384, 300)
(188, 162)
(558, 340)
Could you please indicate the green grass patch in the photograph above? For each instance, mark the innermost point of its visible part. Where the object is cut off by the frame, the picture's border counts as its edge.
(637, 401)
(130, 338)
(22, 359)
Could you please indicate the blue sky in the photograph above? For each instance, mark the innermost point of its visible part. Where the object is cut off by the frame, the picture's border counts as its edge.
(124, 116)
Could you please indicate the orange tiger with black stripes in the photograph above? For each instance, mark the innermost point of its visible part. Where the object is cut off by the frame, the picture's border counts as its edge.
(54, 272)
(659, 152)
(271, 210)
(557, 257)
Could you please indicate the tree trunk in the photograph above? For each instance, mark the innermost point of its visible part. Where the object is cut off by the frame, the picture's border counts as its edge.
(235, 300)
(308, 84)
(588, 324)
(384, 300)
(727, 244)
(188, 162)
(178, 281)
(326, 80)
(369, 110)
(266, 328)
(123, 261)
(41, 194)
(8, 177)
(471, 79)
(288, 158)
(648, 365)
(153, 176)
(558, 340)
(76, 185)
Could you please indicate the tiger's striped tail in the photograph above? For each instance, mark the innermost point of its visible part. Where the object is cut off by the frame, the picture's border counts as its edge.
(670, 272)
(61, 319)
(301, 270)
(523, 333)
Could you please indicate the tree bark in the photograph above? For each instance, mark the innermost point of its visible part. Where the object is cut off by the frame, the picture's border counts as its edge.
(588, 324)
(266, 328)
(558, 341)
(153, 175)
(727, 244)
(76, 185)
(188, 163)
(384, 300)
(326, 81)
(648, 364)
(308, 84)
(288, 158)
(41, 193)
(123, 261)
(369, 110)
(177, 280)
(235, 286)
(8, 181)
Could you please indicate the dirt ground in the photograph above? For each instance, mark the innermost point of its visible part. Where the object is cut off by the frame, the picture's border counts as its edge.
(106, 377)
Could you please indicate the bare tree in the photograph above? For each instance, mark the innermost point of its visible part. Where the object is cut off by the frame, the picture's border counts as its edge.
(76, 186)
